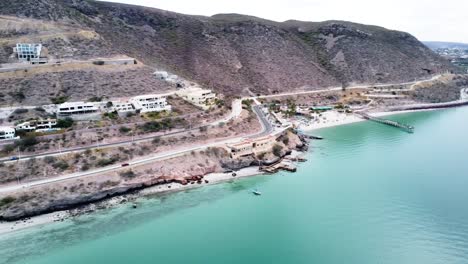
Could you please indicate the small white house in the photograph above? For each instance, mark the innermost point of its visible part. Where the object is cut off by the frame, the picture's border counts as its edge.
(7, 133)
(162, 75)
(151, 103)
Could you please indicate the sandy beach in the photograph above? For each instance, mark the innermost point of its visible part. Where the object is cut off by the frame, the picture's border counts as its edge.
(334, 118)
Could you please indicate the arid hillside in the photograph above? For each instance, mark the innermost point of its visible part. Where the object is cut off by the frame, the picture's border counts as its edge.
(228, 53)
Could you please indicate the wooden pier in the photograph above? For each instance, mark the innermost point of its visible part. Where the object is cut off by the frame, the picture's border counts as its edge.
(405, 127)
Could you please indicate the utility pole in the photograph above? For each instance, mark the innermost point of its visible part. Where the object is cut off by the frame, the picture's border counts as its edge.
(19, 157)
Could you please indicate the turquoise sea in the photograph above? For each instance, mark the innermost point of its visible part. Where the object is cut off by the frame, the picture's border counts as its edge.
(367, 194)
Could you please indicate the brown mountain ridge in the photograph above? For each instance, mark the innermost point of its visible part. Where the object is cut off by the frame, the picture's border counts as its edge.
(230, 52)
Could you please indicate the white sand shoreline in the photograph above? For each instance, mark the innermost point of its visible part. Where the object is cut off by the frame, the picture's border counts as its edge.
(345, 119)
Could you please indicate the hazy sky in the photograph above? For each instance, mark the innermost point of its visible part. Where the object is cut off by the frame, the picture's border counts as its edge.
(426, 19)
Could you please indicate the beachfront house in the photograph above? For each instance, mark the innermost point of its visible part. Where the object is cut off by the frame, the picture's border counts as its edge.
(251, 146)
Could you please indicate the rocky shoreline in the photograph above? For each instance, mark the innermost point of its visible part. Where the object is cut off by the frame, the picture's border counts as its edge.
(121, 194)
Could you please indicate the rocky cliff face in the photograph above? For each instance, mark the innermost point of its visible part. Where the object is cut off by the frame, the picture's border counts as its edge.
(232, 52)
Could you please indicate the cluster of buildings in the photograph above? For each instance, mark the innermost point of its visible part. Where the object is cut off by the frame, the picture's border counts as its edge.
(252, 147)
(138, 104)
(93, 110)
(38, 125)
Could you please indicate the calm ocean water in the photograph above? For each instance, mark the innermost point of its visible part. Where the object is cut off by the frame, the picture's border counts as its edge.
(368, 194)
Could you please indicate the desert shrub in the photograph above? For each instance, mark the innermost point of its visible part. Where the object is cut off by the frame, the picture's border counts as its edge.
(39, 109)
(277, 150)
(50, 159)
(127, 174)
(65, 123)
(6, 200)
(107, 161)
(8, 148)
(156, 140)
(124, 129)
(61, 165)
(20, 111)
(59, 99)
(155, 126)
(26, 143)
(112, 115)
(95, 99)
(85, 167)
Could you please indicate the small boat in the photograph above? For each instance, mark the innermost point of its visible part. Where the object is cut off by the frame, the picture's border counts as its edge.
(256, 192)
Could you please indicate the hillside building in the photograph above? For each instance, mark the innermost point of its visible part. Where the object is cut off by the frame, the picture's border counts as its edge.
(151, 103)
(200, 97)
(31, 53)
(7, 133)
(79, 110)
(38, 125)
(122, 106)
(252, 146)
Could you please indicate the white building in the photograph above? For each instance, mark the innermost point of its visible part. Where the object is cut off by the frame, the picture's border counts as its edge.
(162, 75)
(198, 96)
(79, 110)
(7, 133)
(43, 124)
(151, 103)
(122, 106)
(30, 52)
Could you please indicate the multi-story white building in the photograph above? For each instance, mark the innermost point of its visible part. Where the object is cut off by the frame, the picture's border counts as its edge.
(79, 110)
(7, 133)
(30, 52)
(43, 124)
(151, 103)
(198, 96)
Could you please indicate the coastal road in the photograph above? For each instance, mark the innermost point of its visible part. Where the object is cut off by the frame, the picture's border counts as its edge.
(267, 128)
(331, 89)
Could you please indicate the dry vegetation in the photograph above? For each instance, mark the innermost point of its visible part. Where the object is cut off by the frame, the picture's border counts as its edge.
(100, 157)
(76, 85)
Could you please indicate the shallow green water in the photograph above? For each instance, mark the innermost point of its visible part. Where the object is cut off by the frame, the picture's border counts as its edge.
(368, 194)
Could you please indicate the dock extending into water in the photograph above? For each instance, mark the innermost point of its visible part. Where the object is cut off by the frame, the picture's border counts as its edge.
(405, 127)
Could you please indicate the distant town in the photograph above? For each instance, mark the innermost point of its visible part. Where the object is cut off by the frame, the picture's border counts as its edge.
(456, 53)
